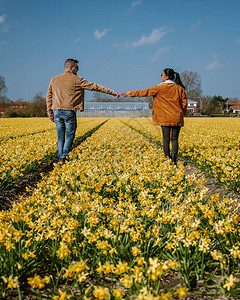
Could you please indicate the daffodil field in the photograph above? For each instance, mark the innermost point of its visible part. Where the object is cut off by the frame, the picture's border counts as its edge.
(24, 146)
(212, 144)
(118, 220)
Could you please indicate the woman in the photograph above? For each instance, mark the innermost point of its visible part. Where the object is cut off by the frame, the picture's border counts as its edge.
(169, 108)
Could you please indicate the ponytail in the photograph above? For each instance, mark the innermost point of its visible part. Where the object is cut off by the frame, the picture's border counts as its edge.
(178, 80)
(174, 76)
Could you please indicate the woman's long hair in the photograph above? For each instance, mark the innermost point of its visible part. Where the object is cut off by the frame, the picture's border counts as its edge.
(174, 76)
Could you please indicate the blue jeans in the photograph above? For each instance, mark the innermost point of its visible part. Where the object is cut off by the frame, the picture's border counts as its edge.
(66, 124)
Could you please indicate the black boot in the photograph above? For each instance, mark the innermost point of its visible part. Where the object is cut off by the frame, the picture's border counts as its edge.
(174, 159)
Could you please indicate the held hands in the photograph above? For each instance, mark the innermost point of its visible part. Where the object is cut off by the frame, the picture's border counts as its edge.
(117, 95)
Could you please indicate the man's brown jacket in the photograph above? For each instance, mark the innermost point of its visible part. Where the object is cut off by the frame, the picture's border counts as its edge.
(66, 91)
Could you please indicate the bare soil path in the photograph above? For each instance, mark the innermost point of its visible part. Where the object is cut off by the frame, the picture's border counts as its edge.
(211, 183)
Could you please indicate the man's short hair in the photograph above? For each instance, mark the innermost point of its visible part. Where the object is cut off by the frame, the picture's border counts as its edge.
(70, 62)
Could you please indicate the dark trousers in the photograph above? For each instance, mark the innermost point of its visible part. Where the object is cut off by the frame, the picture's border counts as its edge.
(170, 133)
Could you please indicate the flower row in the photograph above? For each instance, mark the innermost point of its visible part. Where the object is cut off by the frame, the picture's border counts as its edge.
(212, 144)
(20, 155)
(16, 127)
(118, 220)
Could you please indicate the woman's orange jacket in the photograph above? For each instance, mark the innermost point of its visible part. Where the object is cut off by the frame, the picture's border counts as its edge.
(169, 103)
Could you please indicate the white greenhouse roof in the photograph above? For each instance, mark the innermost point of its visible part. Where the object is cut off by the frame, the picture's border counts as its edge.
(114, 106)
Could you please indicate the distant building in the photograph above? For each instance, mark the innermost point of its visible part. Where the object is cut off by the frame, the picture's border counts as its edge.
(90, 106)
(116, 109)
(192, 106)
(19, 105)
(232, 107)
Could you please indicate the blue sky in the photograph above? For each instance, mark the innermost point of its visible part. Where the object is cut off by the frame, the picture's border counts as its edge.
(122, 44)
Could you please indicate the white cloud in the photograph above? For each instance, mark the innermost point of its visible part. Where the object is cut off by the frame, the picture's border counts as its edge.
(2, 18)
(194, 26)
(153, 38)
(4, 27)
(98, 35)
(135, 3)
(213, 65)
(159, 53)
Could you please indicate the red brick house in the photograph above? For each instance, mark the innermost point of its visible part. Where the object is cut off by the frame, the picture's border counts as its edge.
(192, 106)
(19, 105)
(232, 107)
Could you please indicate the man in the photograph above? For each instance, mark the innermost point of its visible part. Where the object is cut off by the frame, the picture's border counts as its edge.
(66, 95)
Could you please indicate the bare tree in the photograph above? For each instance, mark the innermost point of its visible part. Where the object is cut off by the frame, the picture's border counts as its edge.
(37, 108)
(4, 101)
(192, 83)
(204, 105)
(100, 97)
(233, 100)
(3, 87)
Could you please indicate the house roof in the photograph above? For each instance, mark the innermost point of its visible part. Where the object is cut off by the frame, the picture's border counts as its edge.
(191, 101)
(233, 105)
(19, 103)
